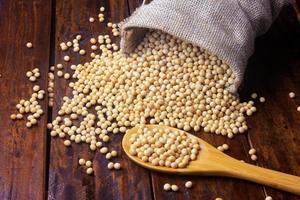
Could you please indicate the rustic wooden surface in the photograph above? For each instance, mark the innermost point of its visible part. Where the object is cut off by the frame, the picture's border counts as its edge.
(34, 166)
(22, 150)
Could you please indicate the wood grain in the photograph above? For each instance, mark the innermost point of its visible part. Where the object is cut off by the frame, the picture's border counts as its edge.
(23, 150)
(66, 179)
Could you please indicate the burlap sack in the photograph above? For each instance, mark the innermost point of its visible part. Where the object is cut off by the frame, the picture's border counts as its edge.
(226, 28)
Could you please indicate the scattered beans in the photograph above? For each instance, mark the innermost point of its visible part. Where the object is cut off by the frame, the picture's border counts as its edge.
(69, 44)
(220, 148)
(108, 156)
(110, 165)
(81, 52)
(52, 68)
(89, 170)
(254, 95)
(59, 66)
(292, 95)
(167, 187)
(49, 126)
(109, 24)
(94, 47)
(50, 88)
(105, 138)
(268, 198)
(29, 74)
(101, 19)
(174, 188)
(63, 46)
(67, 143)
(117, 166)
(28, 124)
(67, 76)
(36, 88)
(29, 45)
(78, 37)
(225, 146)
(76, 49)
(262, 99)
(91, 19)
(114, 153)
(93, 41)
(33, 74)
(30, 106)
(67, 58)
(252, 151)
(188, 184)
(88, 163)
(253, 157)
(59, 73)
(81, 161)
(104, 150)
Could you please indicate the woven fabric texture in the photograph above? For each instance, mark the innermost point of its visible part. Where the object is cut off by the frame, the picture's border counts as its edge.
(226, 28)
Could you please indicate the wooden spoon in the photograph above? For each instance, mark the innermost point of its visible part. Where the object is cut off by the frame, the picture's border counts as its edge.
(213, 162)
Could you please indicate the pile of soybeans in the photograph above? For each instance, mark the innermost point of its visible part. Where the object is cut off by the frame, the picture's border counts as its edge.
(164, 81)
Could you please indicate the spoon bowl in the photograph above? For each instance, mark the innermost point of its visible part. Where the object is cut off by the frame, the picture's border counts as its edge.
(212, 162)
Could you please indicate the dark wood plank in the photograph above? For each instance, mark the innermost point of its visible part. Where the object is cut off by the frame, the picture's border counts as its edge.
(66, 179)
(23, 150)
(274, 71)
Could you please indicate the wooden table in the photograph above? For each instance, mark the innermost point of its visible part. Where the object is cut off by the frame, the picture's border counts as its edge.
(35, 166)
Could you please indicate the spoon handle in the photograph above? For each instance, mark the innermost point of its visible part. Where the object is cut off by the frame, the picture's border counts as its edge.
(265, 176)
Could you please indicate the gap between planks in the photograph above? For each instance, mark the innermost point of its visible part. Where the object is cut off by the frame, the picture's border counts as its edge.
(50, 110)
